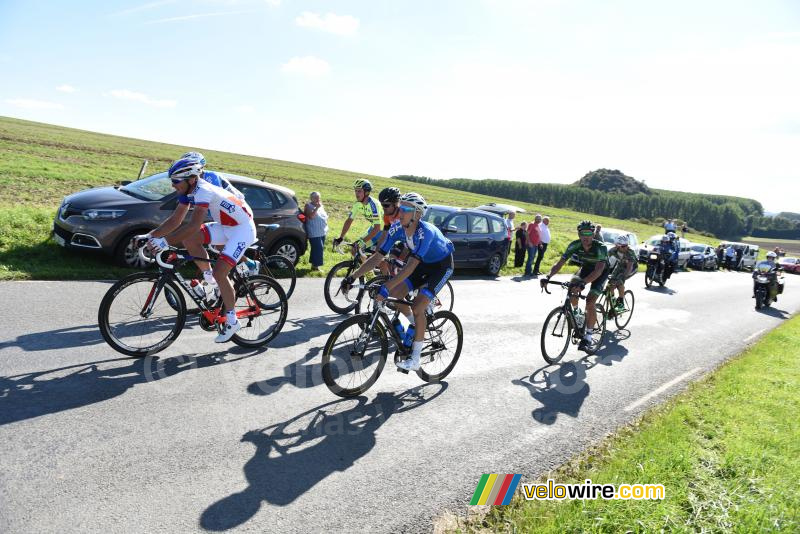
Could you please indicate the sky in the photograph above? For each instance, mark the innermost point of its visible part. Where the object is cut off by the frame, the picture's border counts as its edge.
(700, 96)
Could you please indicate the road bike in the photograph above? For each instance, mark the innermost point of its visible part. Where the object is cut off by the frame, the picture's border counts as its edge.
(565, 324)
(444, 298)
(346, 301)
(607, 301)
(143, 313)
(356, 351)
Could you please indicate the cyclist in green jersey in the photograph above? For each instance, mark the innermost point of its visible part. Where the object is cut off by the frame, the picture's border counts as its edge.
(364, 206)
(624, 266)
(594, 257)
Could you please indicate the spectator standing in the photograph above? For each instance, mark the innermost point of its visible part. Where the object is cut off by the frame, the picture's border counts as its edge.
(534, 238)
(316, 228)
(683, 230)
(509, 221)
(520, 245)
(730, 254)
(544, 240)
(720, 256)
(669, 225)
(739, 254)
(598, 235)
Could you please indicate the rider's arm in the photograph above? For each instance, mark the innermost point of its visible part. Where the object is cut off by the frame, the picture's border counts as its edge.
(411, 264)
(375, 230)
(346, 227)
(197, 220)
(557, 267)
(173, 222)
(594, 275)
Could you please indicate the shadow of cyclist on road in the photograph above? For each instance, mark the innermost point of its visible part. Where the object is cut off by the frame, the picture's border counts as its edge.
(29, 395)
(301, 374)
(559, 389)
(293, 456)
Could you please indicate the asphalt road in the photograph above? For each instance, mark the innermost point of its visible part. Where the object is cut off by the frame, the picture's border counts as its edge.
(203, 438)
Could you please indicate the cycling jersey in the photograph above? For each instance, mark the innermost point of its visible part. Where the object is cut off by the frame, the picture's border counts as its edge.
(597, 253)
(215, 179)
(224, 207)
(427, 243)
(624, 260)
(371, 211)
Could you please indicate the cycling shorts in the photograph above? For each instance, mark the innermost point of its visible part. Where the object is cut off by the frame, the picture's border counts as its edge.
(235, 238)
(430, 278)
(597, 285)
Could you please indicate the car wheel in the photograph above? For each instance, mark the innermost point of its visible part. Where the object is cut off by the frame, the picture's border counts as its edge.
(494, 265)
(126, 255)
(288, 249)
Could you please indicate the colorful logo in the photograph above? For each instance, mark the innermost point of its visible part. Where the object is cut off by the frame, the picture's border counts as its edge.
(495, 489)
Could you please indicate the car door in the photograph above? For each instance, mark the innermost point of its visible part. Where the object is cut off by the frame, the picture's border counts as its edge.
(262, 203)
(478, 239)
(456, 229)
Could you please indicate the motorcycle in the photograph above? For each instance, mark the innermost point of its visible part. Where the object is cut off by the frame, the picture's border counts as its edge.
(656, 268)
(766, 285)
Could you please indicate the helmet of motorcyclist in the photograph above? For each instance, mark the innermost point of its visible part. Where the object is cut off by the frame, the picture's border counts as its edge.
(664, 238)
(672, 236)
(771, 255)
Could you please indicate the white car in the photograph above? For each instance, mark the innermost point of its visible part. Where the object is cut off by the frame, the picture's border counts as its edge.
(684, 251)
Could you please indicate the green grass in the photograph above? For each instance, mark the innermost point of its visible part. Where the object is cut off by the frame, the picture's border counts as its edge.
(41, 163)
(727, 452)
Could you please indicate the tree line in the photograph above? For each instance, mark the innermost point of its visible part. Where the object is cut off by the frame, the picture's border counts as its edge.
(725, 216)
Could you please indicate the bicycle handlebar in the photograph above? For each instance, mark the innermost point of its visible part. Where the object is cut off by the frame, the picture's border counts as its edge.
(565, 285)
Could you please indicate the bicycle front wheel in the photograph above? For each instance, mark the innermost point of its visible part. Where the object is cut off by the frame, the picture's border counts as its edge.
(261, 307)
(556, 334)
(138, 319)
(441, 348)
(376, 282)
(282, 270)
(337, 300)
(354, 356)
(623, 318)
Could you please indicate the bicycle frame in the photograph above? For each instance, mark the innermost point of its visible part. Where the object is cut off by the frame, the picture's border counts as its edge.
(568, 309)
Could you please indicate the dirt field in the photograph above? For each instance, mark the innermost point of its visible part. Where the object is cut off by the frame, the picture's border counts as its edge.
(792, 248)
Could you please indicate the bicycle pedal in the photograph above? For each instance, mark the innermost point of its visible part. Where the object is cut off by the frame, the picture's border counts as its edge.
(404, 371)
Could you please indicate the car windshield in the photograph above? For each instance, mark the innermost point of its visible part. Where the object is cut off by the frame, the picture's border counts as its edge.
(609, 237)
(435, 216)
(153, 187)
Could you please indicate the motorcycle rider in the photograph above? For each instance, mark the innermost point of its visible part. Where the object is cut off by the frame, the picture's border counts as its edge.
(669, 247)
(776, 283)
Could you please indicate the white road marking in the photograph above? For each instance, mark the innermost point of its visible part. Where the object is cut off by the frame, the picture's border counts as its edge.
(752, 337)
(661, 389)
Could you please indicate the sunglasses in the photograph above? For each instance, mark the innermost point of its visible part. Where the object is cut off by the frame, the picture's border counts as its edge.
(175, 182)
(407, 209)
(622, 246)
(389, 205)
(586, 233)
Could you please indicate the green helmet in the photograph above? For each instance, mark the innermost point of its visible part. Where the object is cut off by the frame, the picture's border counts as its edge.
(362, 184)
(585, 225)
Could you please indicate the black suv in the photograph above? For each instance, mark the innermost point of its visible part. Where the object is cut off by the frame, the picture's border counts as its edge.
(106, 218)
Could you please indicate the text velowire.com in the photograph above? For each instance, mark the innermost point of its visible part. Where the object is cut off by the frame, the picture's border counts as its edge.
(552, 491)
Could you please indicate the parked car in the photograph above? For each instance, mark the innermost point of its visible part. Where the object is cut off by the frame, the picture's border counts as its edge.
(749, 253)
(702, 256)
(478, 236)
(609, 237)
(684, 252)
(105, 219)
(790, 265)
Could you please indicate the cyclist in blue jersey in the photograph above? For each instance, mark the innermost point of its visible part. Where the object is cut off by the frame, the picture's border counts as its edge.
(210, 176)
(428, 268)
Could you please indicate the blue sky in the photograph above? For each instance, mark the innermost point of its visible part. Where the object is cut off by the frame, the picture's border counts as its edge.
(694, 96)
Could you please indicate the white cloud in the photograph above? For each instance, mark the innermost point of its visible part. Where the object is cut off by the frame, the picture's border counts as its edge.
(125, 94)
(307, 66)
(338, 24)
(66, 88)
(29, 103)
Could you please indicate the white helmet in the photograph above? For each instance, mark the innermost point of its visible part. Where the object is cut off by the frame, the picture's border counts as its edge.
(771, 254)
(621, 240)
(416, 200)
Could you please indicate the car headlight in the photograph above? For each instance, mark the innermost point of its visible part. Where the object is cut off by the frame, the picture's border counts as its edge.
(697, 257)
(102, 215)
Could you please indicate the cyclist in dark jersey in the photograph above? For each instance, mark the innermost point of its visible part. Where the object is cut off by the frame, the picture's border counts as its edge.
(594, 258)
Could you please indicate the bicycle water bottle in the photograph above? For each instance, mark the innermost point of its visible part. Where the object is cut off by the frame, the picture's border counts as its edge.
(253, 266)
(398, 327)
(409, 336)
(579, 317)
(243, 270)
(198, 288)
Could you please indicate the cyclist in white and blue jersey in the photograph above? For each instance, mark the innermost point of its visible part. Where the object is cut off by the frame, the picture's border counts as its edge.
(429, 266)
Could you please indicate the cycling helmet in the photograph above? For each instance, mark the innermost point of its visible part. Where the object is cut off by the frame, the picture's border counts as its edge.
(185, 168)
(389, 195)
(196, 156)
(771, 254)
(362, 184)
(416, 200)
(621, 240)
(585, 225)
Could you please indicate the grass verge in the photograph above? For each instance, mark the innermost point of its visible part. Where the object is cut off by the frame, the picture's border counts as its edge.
(727, 452)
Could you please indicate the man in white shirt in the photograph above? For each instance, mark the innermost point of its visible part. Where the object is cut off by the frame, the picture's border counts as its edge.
(509, 233)
(544, 237)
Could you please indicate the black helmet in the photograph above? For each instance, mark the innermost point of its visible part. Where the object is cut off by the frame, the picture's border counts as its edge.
(389, 195)
(585, 225)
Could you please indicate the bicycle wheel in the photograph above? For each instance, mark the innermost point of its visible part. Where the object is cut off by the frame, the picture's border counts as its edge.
(354, 356)
(120, 315)
(364, 295)
(265, 294)
(623, 318)
(282, 270)
(556, 334)
(441, 347)
(446, 297)
(598, 332)
(337, 301)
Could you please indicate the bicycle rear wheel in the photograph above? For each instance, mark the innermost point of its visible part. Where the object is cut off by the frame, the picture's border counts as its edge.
(446, 297)
(282, 270)
(121, 320)
(261, 306)
(599, 330)
(354, 356)
(556, 335)
(441, 348)
(337, 301)
(623, 318)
